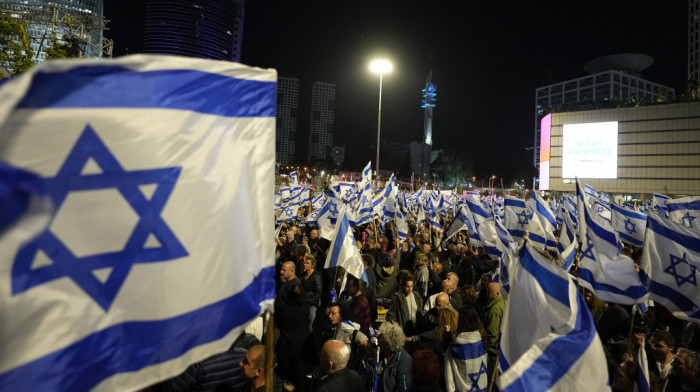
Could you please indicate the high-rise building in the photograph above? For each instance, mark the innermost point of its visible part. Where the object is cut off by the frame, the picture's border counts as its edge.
(613, 80)
(322, 120)
(287, 107)
(210, 29)
(78, 22)
(693, 38)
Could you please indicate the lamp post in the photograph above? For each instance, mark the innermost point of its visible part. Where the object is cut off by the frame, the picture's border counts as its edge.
(379, 66)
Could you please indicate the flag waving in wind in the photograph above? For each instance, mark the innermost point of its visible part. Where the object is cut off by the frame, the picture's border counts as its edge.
(153, 164)
(561, 350)
(344, 251)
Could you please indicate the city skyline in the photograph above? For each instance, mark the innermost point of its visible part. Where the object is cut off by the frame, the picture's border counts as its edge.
(487, 60)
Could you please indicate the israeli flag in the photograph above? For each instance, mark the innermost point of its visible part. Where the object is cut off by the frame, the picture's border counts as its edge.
(305, 197)
(590, 192)
(401, 225)
(153, 164)
(542, 224)
(344, 251)
(516, 217)
(318, 201)
(461, 222)
(642, 372)
(670, 260)
(420, 219)
(465, 363)
(561, 350)
(659, 201)
(685, 211)
(629, 224)
(602, 210)
(289, 212)
(327, 217)
(601, 268)
(568, 240)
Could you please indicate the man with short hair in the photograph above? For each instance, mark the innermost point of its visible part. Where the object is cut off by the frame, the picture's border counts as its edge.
(662, 344)
(288, 278)
(334, 361)
(686, 371)
(492, 323)
(253, 365)
(406, 307)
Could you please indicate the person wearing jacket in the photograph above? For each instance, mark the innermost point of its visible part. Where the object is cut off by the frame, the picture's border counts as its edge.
(494, 315)
(406, 307)
(312, 283)
(395, 362)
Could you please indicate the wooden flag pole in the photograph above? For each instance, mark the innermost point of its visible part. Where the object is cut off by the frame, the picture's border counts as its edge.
(269, 352)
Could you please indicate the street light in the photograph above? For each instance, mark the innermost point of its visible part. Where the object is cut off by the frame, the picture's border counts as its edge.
(379, 66)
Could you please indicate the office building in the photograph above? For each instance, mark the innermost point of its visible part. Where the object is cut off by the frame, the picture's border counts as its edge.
(211, 29)
(322, 121)
(613, 81)
(693, 38)
(287, 108)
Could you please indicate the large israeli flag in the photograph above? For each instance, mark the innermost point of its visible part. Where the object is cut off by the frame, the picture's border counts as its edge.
(561, 350)
(629, 224)
(516, 217)
(542, 224)
(670, 260)
(153, 164)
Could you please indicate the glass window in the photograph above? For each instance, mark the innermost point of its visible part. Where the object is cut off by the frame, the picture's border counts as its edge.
(556, 89)
(602, 92)
(616, 90)
(570, 96)
(625, 92)
(604, 78)
(586, 94)
(586, 82)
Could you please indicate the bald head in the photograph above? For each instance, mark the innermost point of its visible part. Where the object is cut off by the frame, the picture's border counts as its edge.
(494, 291)
(442, 300)
(334, 356)
(288, 271)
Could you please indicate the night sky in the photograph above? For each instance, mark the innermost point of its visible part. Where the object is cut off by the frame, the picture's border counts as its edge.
(487, 59)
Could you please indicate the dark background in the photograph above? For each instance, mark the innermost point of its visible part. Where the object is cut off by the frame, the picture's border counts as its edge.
(487, 59)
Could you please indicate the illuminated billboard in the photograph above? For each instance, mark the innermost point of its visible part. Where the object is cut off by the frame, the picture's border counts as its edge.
(590, 150)
(545, 132)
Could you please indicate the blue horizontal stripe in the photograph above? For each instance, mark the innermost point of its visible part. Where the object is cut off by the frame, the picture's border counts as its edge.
(552, 284)
(680, 301)
(466, 351)
(111, 86)
(686, 241)
(632, 292)
(628, 213)
(133, 345)
(339, 240)
(516, 233)
(675, 206)
(629, 239)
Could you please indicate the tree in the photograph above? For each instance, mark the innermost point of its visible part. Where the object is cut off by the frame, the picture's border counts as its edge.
(58, 50)
(15, 52)
(452, 168)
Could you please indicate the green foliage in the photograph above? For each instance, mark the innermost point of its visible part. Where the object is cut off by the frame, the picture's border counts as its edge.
(60, 51)
(15, 52)
(452, 168)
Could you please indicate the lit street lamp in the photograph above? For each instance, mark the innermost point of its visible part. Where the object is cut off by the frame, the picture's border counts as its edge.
(379, 66)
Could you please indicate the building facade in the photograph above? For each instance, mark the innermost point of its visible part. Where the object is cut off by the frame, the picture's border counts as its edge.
(657, 150)
(595, 91)
(322, 120)
(211, 29)
(693, 38)
(287, 119)
(74, 21)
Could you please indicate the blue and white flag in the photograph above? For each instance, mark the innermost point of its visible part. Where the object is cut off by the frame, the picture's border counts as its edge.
(344, 251)
(465, 363)
(318, 201)
(658, 201)
(568, 240)
(401, 225)
(542, 224)
(153, 164)
(561, 350)
(641, 373)
(685, 211)
(589, 191)
(601, 268)
(516, 217)
(461, 222)
(604, 197)
(289, 212)
(304, 197)
(602, 210)
(326, 218)
(670, 260)
(629, 224)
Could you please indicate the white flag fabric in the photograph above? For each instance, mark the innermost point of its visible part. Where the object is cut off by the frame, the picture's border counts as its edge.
(344, 251)
(685, 210)
(561, 350)
(602, 269)
(465, 363)
(670, 260)
(153, 164)
(641, 382)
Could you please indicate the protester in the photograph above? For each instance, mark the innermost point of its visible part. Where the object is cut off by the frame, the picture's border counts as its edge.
(253, 364)
(465, 360)
(406, 307)
(339, 378)
(494, 315)
(395, 363)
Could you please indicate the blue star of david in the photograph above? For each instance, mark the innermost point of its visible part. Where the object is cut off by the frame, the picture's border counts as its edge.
(689, 218)
(79, 269)
(680, 280)
(289, 211)
(474, 378)
(630, 226)
(333, 208)
(522, 218)
(364, 200)
(588, 251)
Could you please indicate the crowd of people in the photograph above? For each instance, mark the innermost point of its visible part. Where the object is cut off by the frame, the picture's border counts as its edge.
(428, 318)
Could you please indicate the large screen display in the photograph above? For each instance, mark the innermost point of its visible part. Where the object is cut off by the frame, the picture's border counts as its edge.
(590, 150)
(545, 133)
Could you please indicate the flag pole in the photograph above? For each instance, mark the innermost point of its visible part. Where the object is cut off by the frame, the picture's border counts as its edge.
(269, 353)
(495, 370)
(629, 335)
